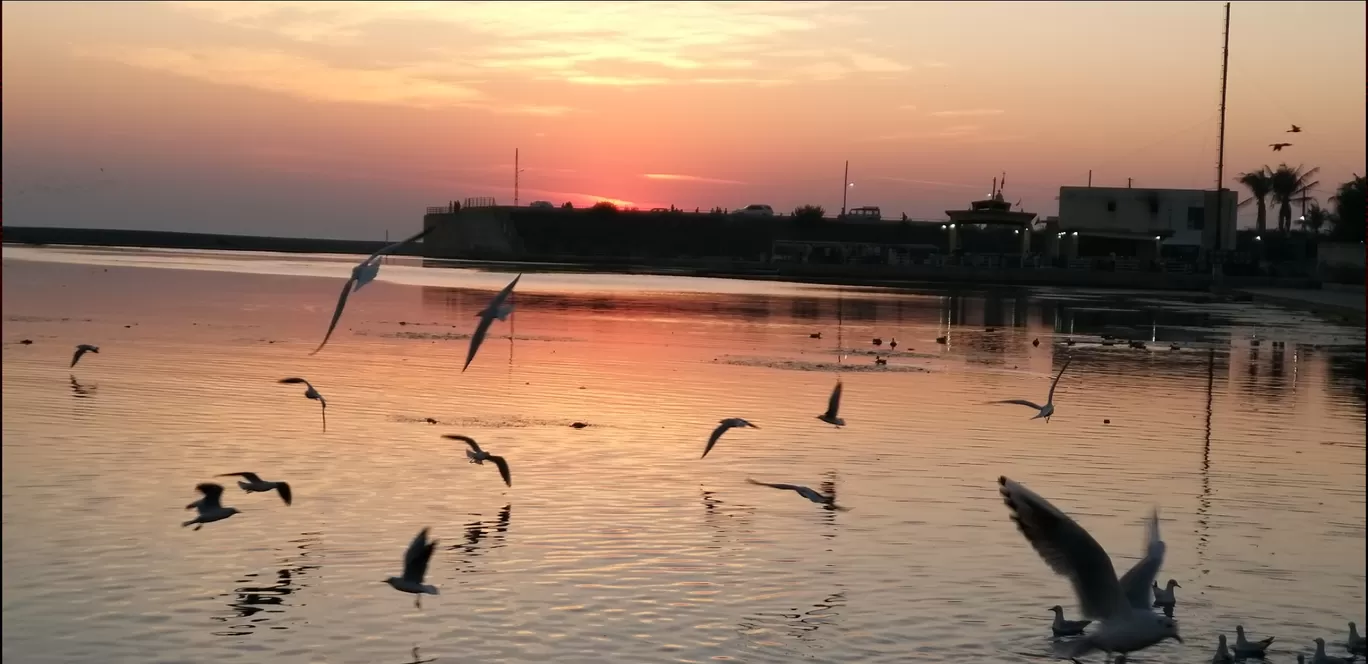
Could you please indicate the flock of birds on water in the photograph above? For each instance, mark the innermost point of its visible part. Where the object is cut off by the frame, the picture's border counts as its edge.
(1120, 611)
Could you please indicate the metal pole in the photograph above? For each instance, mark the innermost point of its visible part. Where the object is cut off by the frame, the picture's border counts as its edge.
(515, 177)
(1089, 178)
(845, 187)
(1220, 150)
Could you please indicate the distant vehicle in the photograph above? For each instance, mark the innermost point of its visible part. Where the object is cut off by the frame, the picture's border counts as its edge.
(661, 210)
(755, 211)
(867, 213)
(541, 205)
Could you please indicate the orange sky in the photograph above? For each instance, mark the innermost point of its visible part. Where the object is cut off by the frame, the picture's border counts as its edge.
(347, 119)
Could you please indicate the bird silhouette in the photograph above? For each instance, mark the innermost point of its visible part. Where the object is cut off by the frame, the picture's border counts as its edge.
(1294, 130)
(1277, 147)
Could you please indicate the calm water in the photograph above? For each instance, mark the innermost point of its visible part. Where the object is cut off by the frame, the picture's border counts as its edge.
(616, 543)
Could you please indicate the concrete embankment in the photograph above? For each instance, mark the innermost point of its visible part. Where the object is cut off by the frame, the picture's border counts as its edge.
(98, 237)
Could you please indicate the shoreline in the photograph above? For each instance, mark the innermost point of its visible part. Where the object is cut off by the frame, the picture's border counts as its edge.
(859, 275)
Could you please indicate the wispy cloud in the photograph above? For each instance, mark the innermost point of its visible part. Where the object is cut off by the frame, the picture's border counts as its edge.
(968, 113)
(586, 43)
(966, 133)
(688, 178)
(929, 183)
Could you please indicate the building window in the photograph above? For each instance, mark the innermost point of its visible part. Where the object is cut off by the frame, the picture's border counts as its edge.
(1196, 219)
(1111, 206)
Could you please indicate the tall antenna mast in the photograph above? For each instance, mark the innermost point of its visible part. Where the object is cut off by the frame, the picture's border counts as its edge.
(517, 171)
(1220, 150)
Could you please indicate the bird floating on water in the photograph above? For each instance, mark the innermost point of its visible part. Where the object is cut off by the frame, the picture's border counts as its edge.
(1321, 658)
(1222, 655)
(880, 361)
(82, 350)
(1036, 342)
(496, 309)
(312, 394)
(878, 341)
(479, 456)
(415, 568)
(834, 406)
(893, 344)
(1062, 627)
(362, 274)
(815, 335)
(1356, 644)
(1164, 597)
(806, 492)
(1244, 648)
(729, 423)
(942, 340)
(210, 507)
(255, 484)
(1048, 409)
(1071, 552)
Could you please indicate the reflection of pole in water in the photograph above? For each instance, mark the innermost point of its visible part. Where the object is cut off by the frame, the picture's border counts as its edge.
(1204, 503)
(840, 324)
(512, 328)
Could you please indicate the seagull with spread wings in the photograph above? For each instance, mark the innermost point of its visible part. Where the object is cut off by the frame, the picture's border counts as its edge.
(362, 274)
(415, 568)
(210, 507)
(254, 484)
(1048, 409)
(479, 456)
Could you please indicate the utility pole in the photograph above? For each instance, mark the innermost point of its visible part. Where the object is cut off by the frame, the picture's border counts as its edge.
(1128, 182)
(1220, 150)
(845, 187)
(1089, 178)
(516, 172)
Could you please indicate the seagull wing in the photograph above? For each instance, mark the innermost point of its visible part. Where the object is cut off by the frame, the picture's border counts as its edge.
(503, 294)
(477, 338)
(1055, 384)
(250, 477)
(1068, 549)
(503, 469)
(295, 381)
(786, 487)
(80, 350)
(1136, 583)
(337, 313)
(834, 404)
(465, 439)
(286, 495)
(417, 557)
(391, 248)
(717, 433)
(213, 493)
(1019, 402)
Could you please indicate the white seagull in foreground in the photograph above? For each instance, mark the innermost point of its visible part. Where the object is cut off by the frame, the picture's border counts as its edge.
(1322, 658)
(82, 350)
(1048, 409)
(361, 275)
(1245, 648)
(496, 309)
(479, 456)
(1062, 627)
(312, 394)
(415, 567)
(806, 492)
(255, 484)
(729, 423)
(210, 508)
(1071, 552)
(833, 406)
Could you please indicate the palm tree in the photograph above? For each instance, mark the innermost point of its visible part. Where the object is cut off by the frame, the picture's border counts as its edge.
(1260, 185)
(1350, 211)
(1290, 185)
(1315, 218)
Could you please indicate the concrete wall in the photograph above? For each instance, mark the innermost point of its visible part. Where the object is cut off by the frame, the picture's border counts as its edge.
(1149, 211)
(1341, 262)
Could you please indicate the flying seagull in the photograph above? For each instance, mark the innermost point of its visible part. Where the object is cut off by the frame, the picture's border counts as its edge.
(728, 423)
(1277, 147)
(1294, 130)
(1137, 582)
(479, 456)
(1048, 409)
(361, 275)
(210, 508)
(82, 350)
(1071, 552)
(806, 492)
(312, 394)
(255, 484)
(415, 567)
(833, 406)
(496, 309)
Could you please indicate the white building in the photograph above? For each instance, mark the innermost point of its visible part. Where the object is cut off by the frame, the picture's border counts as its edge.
(1178, 216)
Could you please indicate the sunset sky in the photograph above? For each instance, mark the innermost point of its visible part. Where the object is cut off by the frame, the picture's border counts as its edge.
(345, 120)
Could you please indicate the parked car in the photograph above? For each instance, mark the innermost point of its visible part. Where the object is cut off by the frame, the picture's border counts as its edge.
(755, 211)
